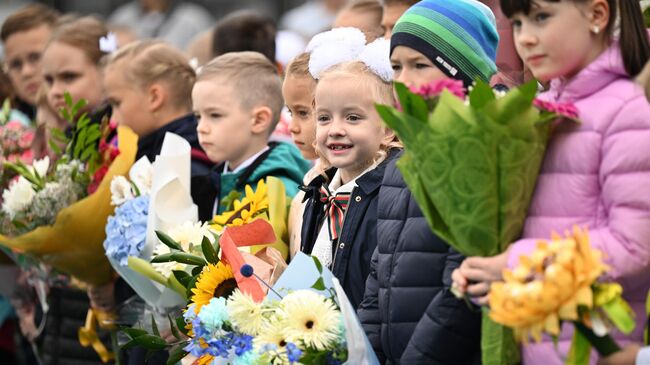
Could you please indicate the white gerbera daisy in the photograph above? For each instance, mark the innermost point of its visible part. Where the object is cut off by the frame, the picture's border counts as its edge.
(18, 197)
(245, 314)
(310, 318)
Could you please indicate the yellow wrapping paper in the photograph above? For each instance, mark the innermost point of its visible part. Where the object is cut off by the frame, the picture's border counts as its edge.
(74, 244)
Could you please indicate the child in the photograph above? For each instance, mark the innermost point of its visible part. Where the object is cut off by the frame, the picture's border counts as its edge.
(365, 15)
(596, 173)
(408, 311)
(24, 36)
(393, 10)
(245, 30)
(298, 92)
(149, 86)
(355, 146)
(70, 64)
(237, 99)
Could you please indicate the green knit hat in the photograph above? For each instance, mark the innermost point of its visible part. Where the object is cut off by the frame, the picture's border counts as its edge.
(458, 36)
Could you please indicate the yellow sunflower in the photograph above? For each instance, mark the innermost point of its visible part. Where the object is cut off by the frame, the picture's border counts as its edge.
(548, 286)
(310, 318)
(215, 281)
(245, 210)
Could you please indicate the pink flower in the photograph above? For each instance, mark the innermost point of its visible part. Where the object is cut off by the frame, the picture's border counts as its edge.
(14, 125)
(97, 179)
(564, 109)
(435, 88)
(26, 139)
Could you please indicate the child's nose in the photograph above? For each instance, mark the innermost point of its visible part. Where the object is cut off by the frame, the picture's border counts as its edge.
(337, 128)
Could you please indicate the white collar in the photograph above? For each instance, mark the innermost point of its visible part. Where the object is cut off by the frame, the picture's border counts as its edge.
(249, 161)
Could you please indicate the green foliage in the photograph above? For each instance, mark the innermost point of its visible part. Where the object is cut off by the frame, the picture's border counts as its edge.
(168, 241)
(209, 252)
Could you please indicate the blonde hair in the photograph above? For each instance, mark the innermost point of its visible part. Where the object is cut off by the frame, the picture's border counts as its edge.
(253, 77)
(147, 62)
(299, 66)
(82, 33)
(381, 91)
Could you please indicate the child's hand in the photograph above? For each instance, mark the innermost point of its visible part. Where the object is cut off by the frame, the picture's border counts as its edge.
(476, 274)
(627, 356)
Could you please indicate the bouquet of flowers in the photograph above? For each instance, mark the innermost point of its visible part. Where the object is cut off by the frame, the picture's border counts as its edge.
(155, 199)
(15, 143)
(558, 282)
(471, 162)
(45, 211)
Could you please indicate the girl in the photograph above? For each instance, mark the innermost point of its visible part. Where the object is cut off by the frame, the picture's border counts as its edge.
(149, 85)
(298, 93)
(339, 225)
(408, 311)
(596, 173)
(70, 64)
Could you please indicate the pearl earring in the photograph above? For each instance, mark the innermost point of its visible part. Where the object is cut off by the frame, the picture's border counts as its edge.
(595, 29)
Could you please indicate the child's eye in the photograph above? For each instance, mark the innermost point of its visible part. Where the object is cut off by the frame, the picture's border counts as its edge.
(197, 116)
(303, 114)
(420, 66)
(354, 117)
(49, 80)
(323, 118)
(215, 115)
(540, 17)
(515, 23)
(396, 67)
(69, 77)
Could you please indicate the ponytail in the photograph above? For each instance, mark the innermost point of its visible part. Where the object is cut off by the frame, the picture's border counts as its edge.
(635, 47)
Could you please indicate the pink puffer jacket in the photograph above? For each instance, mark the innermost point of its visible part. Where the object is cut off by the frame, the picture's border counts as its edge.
(597, 174)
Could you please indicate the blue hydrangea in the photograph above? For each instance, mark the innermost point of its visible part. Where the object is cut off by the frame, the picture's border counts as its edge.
(126, 230)
(199, 329)
(214, 314)
(220, 347)
(194, 348)
(293, 352)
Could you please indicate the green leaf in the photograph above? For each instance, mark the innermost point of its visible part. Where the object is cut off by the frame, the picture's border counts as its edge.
(411, 103)
(208, 251)
(129, 345)
(133, 332)
(151, 342)
(168, 241)
(176, 354)
(180, 324)
(182, 277)
(191, 286)
(498, 346)
(68, 99)
(621, 315)
(319, 284)
(197, 270)
(481, 94)
(580, 350)
(188, 259)
(154, 327)
(172, 327)
(319, 266)
(165, 257)
(80, 105)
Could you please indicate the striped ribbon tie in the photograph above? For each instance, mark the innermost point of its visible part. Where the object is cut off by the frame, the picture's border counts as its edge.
(335, 207)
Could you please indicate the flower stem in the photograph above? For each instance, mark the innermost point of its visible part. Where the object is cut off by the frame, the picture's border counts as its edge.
(605, 345)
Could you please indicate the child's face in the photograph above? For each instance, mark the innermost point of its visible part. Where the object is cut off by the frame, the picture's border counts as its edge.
(413, 68)
(392, 13)
(67, 68)
(298, 94)
(224, 128)
(555, 39)
(349, 132)
(23, 52)
(129, 102)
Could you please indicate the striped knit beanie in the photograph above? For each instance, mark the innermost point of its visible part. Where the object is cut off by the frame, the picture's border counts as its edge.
(458, 36)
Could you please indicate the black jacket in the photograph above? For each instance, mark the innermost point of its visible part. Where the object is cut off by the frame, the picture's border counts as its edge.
(408, 311)
(151, 144)
(358, 237)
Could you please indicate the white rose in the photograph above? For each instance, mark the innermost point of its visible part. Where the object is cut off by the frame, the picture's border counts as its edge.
(120, 191)
(41, 166)
(18, 197)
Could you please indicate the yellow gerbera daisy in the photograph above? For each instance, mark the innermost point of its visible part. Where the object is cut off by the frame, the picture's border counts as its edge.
(245, 210)
(310, 318)
(215, 281)
(548, 286)
(245, 314)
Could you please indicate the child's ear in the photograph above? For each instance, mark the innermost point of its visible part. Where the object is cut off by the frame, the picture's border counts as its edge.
(599, 15)
(262, 119)
(156, 97)
(389, 136)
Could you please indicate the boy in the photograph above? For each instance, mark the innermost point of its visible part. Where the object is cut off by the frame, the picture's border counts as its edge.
(245, 30)
(237, 99)
(24, 35)
(408, 311)
(365, 15)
